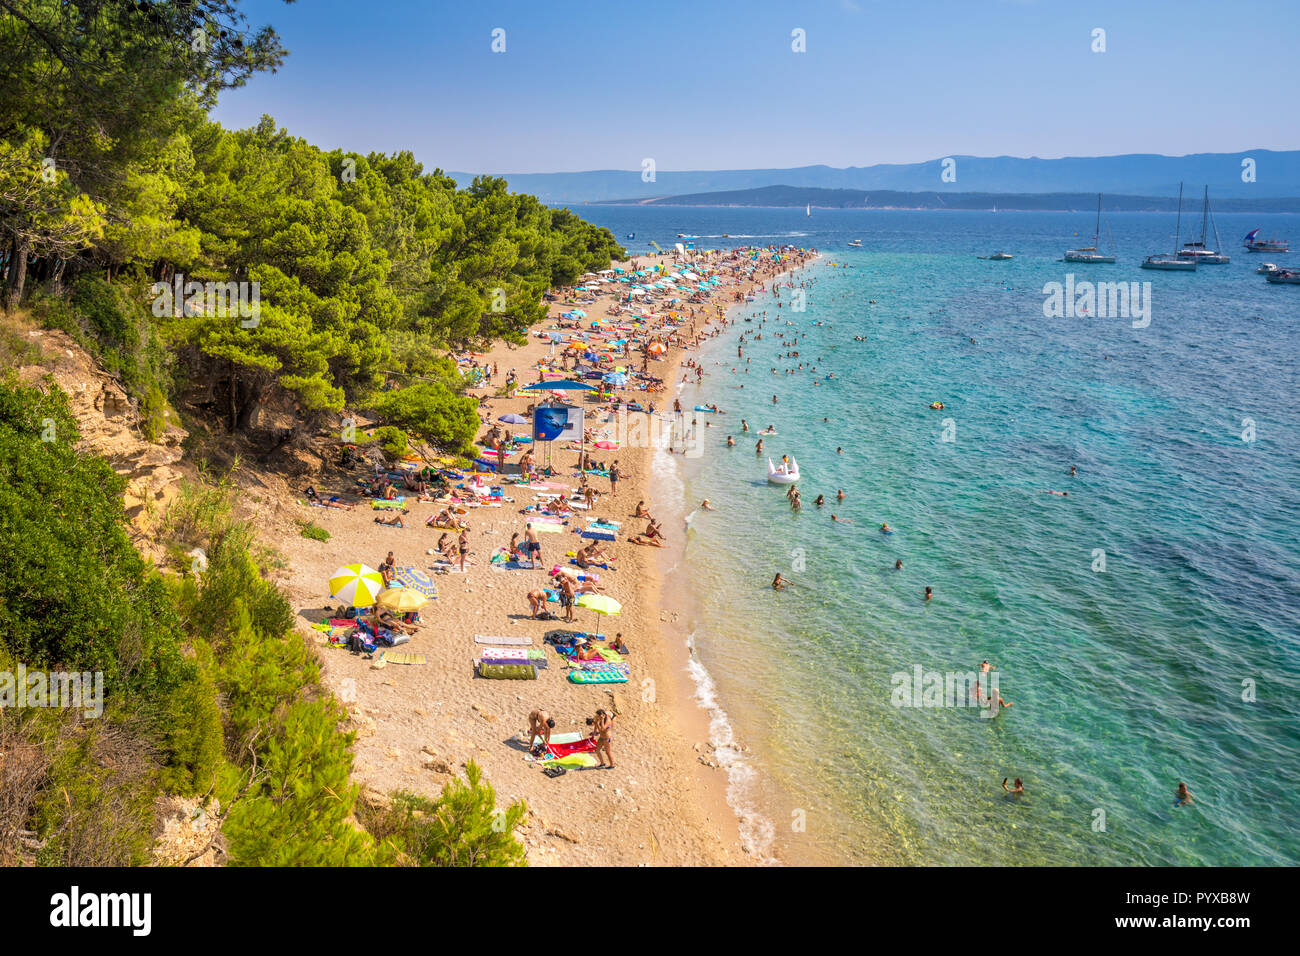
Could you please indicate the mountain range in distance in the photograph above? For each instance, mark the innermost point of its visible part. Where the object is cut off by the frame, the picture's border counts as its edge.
(1251, 174)
(795, 196)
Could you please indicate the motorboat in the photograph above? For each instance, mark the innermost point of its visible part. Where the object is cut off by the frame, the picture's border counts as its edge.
(998, 257)
(1265, 268)
(1279, 276)
(856, 243)
(1253, 243)
(783, 474)
(1172, 262)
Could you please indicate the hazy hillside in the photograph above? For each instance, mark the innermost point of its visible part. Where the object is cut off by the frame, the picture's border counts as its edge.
(771, 196)
(1277, 173)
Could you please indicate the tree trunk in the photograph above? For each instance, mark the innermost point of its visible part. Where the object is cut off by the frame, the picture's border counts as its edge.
(17, 274)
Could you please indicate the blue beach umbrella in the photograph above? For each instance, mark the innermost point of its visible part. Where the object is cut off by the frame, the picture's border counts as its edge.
(418, 581)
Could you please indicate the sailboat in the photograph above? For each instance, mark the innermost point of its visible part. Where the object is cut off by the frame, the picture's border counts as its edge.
(1092, 253)
(1172, 263)
(809, 209)
(1198, 250)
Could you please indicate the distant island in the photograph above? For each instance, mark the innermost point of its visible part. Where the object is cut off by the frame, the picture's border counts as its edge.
(794, 196)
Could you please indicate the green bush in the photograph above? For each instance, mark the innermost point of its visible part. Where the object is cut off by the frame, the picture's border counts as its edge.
(462, 827)
(311, 529)
(298, 812)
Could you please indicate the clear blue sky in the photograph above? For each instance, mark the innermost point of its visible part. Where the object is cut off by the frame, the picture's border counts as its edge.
(713, 84)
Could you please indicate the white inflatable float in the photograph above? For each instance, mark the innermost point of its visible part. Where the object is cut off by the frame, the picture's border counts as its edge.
(781, 475)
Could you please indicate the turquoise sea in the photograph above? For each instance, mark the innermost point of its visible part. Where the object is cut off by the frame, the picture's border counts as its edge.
(1179, 661)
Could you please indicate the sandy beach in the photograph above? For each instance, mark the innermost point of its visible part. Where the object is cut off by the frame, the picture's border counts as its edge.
(665, 802)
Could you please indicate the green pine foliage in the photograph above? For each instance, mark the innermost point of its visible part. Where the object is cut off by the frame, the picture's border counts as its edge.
(461, 827)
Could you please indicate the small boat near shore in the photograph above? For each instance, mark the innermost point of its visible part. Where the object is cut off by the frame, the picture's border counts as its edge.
(856, 243)
(1283, 277)
(782, 475)
(999, 257)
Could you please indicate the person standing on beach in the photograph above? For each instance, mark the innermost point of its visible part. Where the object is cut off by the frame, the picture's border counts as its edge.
(566, 598)
(462, 548)
(602, 726)
(614, 475)
(540, 724)
(532, 547)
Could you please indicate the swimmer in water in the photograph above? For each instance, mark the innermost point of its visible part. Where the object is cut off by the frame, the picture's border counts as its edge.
(1017, 790)
(773, 399)
(1074, 472)
(839, 495)
(705, 505)
(1183, 796)
(898, 564)
(928, 593)
(886, 528)
(1063, 494)
(821, 500)
(779, 583)
(731, 442)
(841, 520)
(744, 425)
(758, 449)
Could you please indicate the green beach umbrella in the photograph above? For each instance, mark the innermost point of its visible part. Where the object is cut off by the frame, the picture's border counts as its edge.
(356, 585)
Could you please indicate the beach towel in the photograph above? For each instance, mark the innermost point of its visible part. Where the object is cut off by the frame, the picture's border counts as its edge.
(585, 746)
(379, 504)
(599, 534)
(505, 641)
(401, 657)
(507, 671)
(488, 658)
(508, 653)
(573, 761)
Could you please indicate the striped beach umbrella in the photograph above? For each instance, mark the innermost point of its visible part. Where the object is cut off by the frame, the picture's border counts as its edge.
(417, 580)
(356, 585)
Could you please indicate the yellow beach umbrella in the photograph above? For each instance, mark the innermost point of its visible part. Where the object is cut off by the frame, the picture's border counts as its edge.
(356, 585)
(600, 603)
(402, 600)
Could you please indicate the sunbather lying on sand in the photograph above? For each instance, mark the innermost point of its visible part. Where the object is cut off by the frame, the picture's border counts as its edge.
(334, 502)
(394, 522)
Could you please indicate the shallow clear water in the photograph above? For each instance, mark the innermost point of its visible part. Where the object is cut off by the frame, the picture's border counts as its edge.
(1123, 681)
